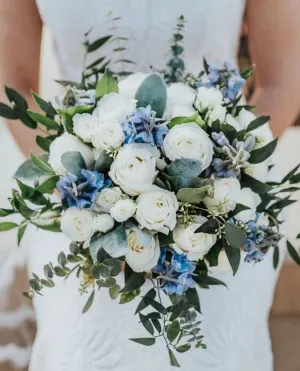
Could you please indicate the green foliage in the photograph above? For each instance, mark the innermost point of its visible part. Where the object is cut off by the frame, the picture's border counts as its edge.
(192, 195)
(30, 171)
(107, 84)
(236, 237)
(256, 185)
(73, 162)
(103, 162)
(89, 302)
(256, 123)
(97, 44)
(184, 120)
(48, 186)
(261, 154)
(44, 106)
(234, 257)
(48, 122)
(276, 257)
(6, 226)
(144, 341)
(128, 296)
(293, 253)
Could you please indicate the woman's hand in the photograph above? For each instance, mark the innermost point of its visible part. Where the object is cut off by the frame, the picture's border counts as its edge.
(274, 39)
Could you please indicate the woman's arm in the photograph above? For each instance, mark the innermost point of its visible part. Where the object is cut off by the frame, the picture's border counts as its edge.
(20, 39)
(274, 38)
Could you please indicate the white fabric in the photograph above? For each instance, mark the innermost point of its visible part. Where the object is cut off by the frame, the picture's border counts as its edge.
(234, 318)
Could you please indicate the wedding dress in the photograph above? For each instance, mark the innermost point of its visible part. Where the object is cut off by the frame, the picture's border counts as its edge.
(235, 319)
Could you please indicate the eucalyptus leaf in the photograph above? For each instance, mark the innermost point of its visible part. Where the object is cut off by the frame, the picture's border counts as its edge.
(47, 283)
(89, 302)
(48, 271)
(182, 171)
(153, 92)
(103, 162)
(30, 171)
(192, 195)
(261, 154)
(114, 265)
(73, 162)
(114, 291)
(236, 237)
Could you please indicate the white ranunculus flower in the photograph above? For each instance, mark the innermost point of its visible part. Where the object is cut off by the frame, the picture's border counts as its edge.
(84, 125)
(194, 245)
(108, 135)
(134, 169)
(208, 98)
(65, 143)
(223, 266)
(108, 197)
(258, 171)
(188, 141)
(245, 117)
(103, 223)
(76, 224)
(230, 120)
(143, 250)
(156, 210)
(123, 210)
(114, 107)
(217, 113)
(129, 86)
(248, 198)
(224, 196)
(180, 99)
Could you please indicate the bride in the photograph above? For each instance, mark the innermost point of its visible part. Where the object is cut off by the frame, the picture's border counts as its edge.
(234, 318)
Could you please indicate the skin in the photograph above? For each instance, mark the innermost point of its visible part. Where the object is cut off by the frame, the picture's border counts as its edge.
(274, 36)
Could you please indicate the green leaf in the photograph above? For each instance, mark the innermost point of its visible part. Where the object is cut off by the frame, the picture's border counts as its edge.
(15, 97)
(114, 265)
(23, 116)
(73, 162)
(234, 257)
(103, 162)
(95, 63)
(210, 227)
(48, 122)
(165, 240)
(114, 291)
(107, 84)
(256, 185)
(107, 282)
(236, 237)
(34, 284)
(204, 279)
(6, 226)
(44, 106)
(276, 257)
(62, 260)
(193, 298)
(135, 281)
(279, 205)
(47, 283)
(7, 112)
(66, 83)
(261, 154)
(290, 174)
(89, 302)
(298, 235)
(183, 348)
(184, 120)
(31, 194)
(293, 252)
(146, 323)
(42, 164)
(182, 171)
(144, 341)
(256, 123)
(60, 272)
(6, 212)
(153, 92)
(43, 143)
(48, 186)
(248, 72)
(239, 208)
(21, 206)
(173, 360)
(156, 305)
(29, 171)
(173, 331)
(192, 195)
(143, 303)
(98, 43)
(21, 231)
(48, 271)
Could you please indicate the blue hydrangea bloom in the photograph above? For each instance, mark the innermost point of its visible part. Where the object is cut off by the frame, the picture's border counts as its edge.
(179, 269)
(141, 128)
(81, 191)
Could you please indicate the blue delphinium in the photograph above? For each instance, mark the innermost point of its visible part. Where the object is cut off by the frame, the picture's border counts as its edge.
(227, 79)
(177, 274)
(140, 127)
(81, 191)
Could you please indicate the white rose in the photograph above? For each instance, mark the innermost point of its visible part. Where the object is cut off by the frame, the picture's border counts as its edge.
(76, 224)
(134, 169)
(143, 250)
(258, 171)
(194, 245)
(129, 86)
(123, 210)
(68, 142)
(84, 125)
(156, 210)
(114, 107)
(180, 99)
(217, 113)
(103, 223)
(108, 197)
(188, 141)
(223, 266)
(230, 120)
(225, 194)
(248, 198)
(108, 135)
(208, 98)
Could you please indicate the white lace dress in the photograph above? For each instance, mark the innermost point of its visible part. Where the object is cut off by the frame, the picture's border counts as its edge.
(234, 318)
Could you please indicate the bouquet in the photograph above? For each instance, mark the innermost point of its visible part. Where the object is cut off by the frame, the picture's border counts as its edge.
(162, 177)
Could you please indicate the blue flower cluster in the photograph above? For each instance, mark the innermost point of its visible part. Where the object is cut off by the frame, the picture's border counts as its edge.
(255, 238)
(178, 272)
(228, 79)
(81, 191)
(140, 127)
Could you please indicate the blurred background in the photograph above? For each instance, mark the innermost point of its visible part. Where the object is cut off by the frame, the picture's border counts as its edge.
(17, 326)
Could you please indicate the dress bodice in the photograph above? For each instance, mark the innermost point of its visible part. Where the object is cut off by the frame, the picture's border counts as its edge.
(212, 30)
